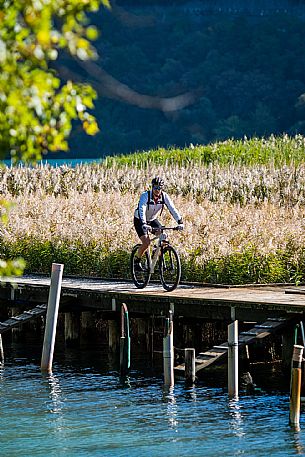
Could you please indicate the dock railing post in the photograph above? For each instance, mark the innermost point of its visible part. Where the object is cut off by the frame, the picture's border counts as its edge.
(295, 385)
(233, 359)
(51, 318)
(168, 351)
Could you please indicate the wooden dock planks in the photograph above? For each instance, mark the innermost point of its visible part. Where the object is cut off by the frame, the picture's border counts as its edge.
(263, 295)
(253, 303)
(26, 316)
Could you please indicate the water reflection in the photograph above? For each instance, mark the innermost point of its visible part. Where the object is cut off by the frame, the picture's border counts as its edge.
(56, 403)
(172, 408)
(296, 440)
(2, 372)
(125, 381)
(190, 393)
(236, 419)
(55, 394)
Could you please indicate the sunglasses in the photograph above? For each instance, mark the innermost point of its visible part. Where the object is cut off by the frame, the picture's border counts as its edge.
(157, 187)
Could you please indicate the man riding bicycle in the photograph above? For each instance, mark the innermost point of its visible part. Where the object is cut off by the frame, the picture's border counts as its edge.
(151, 205)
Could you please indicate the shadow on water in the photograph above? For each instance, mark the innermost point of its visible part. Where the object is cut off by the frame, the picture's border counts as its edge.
(94, 355)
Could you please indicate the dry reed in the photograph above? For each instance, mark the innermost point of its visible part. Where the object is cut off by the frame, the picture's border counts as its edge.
(242, 224)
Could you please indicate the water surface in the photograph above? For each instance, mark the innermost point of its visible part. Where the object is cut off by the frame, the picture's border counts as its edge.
(85, 409)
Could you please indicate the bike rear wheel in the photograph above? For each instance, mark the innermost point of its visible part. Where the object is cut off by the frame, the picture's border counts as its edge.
(140, 276)
(170, 268)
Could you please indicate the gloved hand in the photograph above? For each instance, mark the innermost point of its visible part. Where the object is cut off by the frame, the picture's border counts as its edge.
(180, 226)
(146, 228)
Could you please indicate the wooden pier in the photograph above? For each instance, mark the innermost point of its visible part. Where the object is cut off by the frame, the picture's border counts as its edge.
(250, 303)
(268, 307)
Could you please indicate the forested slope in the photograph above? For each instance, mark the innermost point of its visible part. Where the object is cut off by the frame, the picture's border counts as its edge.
(248, 73)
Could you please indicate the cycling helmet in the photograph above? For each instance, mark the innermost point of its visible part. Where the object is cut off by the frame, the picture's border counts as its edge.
(157, 181)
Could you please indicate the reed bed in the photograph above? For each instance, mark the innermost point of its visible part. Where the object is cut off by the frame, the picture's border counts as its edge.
(92, 234)
(232, 184)
(244, 218)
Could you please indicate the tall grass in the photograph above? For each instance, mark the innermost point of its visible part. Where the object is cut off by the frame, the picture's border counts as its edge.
(254, 151)
(232, 184)
(92, 234)
(243, 223)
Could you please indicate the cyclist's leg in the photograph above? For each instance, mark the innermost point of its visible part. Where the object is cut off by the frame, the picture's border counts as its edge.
(144, 237)
(144, 246)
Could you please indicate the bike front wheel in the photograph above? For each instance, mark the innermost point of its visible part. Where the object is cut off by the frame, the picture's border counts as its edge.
(170, 268)
(140, 272)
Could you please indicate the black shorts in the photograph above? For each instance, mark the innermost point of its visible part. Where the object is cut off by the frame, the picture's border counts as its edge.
(138, 225)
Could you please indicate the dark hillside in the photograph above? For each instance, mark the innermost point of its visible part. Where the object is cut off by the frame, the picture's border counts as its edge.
(248, 72)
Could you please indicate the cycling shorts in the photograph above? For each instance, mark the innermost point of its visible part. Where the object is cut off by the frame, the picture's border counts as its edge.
(138, 226)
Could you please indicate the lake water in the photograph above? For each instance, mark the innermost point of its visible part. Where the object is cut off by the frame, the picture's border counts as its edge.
(85, 409)
(59, 162)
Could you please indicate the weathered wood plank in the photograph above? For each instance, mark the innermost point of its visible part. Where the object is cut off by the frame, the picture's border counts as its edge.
(205, 301)
(22, 318)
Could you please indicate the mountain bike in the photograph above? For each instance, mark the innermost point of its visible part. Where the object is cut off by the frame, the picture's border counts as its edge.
(161, 253)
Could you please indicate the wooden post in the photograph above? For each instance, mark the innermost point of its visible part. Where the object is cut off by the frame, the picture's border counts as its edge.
(88, 326)
(151, 330)
(124, 342)
(188, 335)
(142, 331)
(72, 328)
(1, 351)
(190, 365)
(113, 335)
(233, 359)
(295, 385)
(168, 351)
(51, 319)
(287, 347)
(16, 331)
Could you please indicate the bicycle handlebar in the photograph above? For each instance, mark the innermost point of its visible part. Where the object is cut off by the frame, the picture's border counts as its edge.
(155, 229)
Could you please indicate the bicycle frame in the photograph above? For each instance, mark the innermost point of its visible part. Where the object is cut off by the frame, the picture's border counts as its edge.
(162, 238)
(154, 258)
(164, 254)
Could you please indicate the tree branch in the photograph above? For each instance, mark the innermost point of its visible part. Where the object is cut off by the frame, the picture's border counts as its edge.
(107, 86)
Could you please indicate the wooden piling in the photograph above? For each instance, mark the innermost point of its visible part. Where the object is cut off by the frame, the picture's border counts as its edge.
(142, 330)
(287, 347)
(51, 319)
(16, 331)
(168, 351)
(233, 359)
(124, 342)
(72, 328)
(88, 325)
(113, 335)
(190, 365)
(295, 385)
(1, 351)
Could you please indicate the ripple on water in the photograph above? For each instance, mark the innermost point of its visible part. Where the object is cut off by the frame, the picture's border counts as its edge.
(83, 411)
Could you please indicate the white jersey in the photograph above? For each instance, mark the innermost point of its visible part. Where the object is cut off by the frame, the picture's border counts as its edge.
(148, 210)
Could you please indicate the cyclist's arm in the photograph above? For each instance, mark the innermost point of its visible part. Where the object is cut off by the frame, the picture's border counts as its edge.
(142, 207)
(172, 209)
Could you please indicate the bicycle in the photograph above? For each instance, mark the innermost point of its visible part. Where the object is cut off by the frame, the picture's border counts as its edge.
(165, 255)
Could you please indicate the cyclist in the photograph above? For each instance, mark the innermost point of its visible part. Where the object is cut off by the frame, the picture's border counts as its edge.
(151, 205)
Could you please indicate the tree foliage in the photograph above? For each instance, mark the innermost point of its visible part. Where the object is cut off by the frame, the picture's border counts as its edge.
(36, 109)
